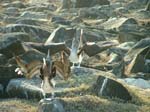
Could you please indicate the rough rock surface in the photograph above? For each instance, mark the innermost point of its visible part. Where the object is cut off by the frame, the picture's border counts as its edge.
(108, 87)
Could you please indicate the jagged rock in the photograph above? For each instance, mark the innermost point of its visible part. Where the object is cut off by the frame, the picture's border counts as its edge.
(60, 20)
(138, 47)
(115, 23)
(41, 8)
(60, 34)
(116, 53)
(3, 59)
(36, 32)
(17, 4)
(118, 69)
(92, 49)
(145, 76)
(93, 12)
(141, 83)
(10, 11)
(109, 87)
(7, 72)
(83, 3)
(8, 46)
(24, 88)
(136, 4)
(141, 14)
(83, 70)
(139, 62)
(1, 90)
(50, 105)
(9, 19)
(131, 32)
(29, 21)
(33, 15)
(18, 35)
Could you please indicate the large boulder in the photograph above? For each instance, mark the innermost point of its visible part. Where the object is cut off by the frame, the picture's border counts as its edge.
(10, 46)
(50, 105)
(138, 47)
(94, 12)
(115, 23)
(110, 88)
(83, 3)
(140, 63)
(60, 34)
(60, 20)
(18, 35)
(30, 21)
(17, 4)
(37, 33)
(10, 11)
(140, 83)
(132, 32)
(7, 72)
(24, 88)
(33, 15)
(3, 59)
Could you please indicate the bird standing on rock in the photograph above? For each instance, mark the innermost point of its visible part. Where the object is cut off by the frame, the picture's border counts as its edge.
(76, 55)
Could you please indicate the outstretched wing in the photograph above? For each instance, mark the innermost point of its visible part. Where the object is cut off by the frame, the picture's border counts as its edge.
(29, 69)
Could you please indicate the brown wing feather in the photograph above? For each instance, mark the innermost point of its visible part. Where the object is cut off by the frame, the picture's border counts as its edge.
(30, 69)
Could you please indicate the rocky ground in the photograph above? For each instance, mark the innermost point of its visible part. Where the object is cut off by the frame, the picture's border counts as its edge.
(115, 72)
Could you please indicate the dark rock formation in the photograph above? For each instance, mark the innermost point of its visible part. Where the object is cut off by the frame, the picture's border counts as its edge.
(24, 88)
(83, 3)
(36, 33)
(50, 105)
(108, 87)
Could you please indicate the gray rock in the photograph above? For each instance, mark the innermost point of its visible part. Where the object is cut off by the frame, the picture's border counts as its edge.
(131, 32)
(8, 46)
(9, 19)
(36, 32)
(110, 88)
(93, 12)
(139, 64)
(41, 8)
(3, 59)
(118, 69)
(60, 34)
(18, 35)
(138, 47)
(141, 14)
(117, 52)
(1, 90)
(50, 105)
(115, 23)
(60, 20)
(12, 11)
(140, 83)
(33, 15)
(7, 72)
(29, 21)
(24, 88)
(17, 4)
(83, 3)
